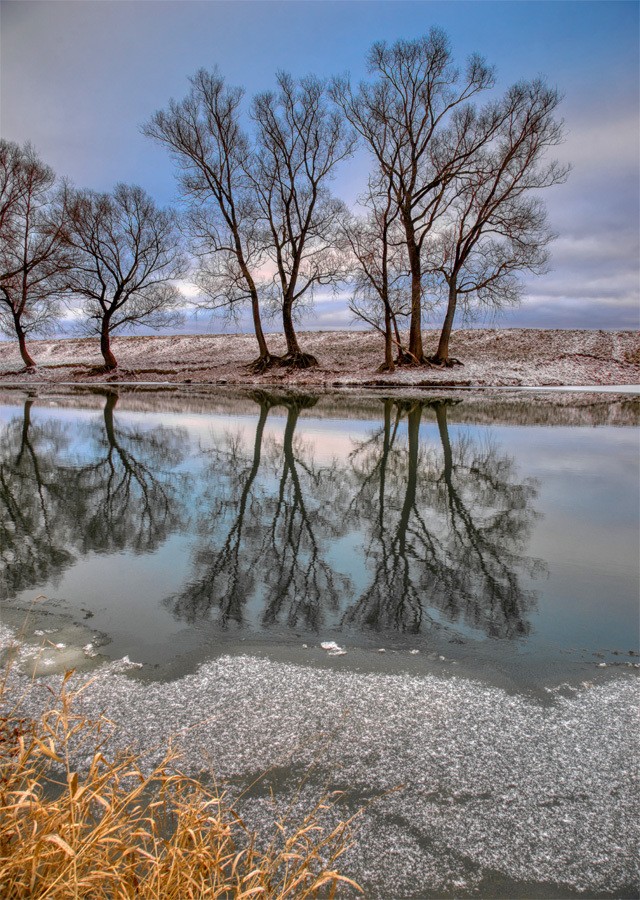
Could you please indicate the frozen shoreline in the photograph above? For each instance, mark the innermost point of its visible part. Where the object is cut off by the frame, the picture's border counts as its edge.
(496, 789)
(491, 358)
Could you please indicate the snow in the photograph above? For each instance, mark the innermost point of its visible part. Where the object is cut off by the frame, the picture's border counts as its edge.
(491, 357)
(462, 783)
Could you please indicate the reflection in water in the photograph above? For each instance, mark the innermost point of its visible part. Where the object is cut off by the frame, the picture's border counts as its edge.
(302, 516)
(36, 499)
(442, 529)
(132, 498)
(226, 571)
(268, 534)
(114, 489)
(447, 531)
(278, 516)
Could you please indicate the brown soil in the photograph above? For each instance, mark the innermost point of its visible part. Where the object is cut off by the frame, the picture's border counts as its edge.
(490, 357)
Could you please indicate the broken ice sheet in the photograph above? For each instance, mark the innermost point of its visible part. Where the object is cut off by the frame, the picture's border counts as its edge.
(333, 649)
(474, 803)
(330, 645)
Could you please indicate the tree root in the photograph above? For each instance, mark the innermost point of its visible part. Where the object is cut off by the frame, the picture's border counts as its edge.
(102, 370)
(263, 364)
(385, 367)
(404, 358)
(447, 363)
(297, 360)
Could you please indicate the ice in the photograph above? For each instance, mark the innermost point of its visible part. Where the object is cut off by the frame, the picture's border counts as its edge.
(473, 783)
(333, 649)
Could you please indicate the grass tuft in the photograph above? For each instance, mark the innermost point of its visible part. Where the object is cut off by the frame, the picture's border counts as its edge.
(112, 830)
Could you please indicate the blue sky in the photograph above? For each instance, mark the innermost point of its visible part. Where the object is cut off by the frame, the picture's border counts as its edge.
(79, 78)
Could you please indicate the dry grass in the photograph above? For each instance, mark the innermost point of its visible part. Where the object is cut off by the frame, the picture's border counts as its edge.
(113, 831)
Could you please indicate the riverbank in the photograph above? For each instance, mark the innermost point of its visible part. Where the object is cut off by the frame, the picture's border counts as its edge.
(490, 357)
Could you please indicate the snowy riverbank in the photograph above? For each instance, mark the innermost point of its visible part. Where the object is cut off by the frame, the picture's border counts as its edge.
(490, 357)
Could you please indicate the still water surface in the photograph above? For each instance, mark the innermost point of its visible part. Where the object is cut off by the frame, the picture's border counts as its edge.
(495, 537)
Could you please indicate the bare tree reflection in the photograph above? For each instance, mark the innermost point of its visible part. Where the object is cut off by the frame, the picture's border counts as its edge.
(303, 516)
(444, 523)
(455, 543)
(114, 488)
(489, 515)
(34, 503)
(225, 569)
(394, 596)
(266, 536)
(129, 484)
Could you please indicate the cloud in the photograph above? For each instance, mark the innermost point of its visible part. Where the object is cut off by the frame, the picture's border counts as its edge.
(609, 144)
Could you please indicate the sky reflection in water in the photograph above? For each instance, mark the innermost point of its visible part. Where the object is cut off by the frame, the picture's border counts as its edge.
(410, 524)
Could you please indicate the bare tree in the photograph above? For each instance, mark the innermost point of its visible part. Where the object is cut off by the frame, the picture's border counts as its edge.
(492, 228)
(301, 141)
(128, 256)
(33, 258)
(378, 268)
(11, 186)
(416, 119)
(213, 153)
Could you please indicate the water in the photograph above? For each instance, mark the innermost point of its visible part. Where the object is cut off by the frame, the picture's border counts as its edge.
(464, 529)
(201, 546)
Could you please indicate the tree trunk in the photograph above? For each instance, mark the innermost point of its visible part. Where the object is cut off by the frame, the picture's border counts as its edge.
(388, 338)
(110, 362)
(413, 434)
(257, 326)
(388, 365)
(27, 359)
(396, 331)
(441, 357)
(294, 358)
(289, 331)
(388, 341)
(109, 406)
(415, 329)
(265, 360)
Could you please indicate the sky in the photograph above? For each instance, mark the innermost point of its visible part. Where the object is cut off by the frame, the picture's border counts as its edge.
(78, 79)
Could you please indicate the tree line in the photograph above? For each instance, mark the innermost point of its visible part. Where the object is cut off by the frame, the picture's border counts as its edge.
(450, 217)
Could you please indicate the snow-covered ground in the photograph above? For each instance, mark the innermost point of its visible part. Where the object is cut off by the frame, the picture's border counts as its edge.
(496, 357)
(467, 789)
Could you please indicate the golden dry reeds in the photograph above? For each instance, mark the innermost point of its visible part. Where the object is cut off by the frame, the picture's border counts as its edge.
(113, 831)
